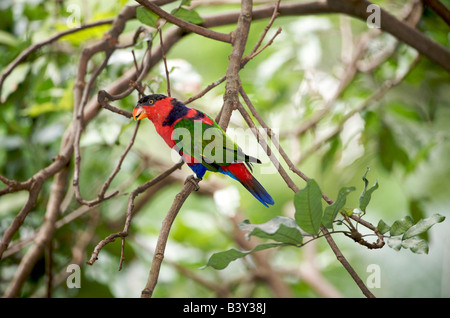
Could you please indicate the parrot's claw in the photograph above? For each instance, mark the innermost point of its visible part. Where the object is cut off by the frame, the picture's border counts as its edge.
(194, 180)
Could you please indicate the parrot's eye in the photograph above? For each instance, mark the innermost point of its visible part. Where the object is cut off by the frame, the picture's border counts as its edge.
(151, 102)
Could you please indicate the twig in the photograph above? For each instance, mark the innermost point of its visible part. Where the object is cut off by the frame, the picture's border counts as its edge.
(186, 25)
(244, 60)
(103, 97)
(269, 152)
(205, 90)
(105, 187)
(165, 61)
(79, 109)
(130, 214)
(267, 28)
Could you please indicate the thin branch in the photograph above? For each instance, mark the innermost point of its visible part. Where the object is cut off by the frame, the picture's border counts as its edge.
(340, 257)
(80, 124)
(186, 25)
(205, 90)
(130, 214)
(269, 152)
(165, 61)
(158, 256)
(107, 183)
(438, 7)
(256, 50)
(401, 30)
(103, 97)
(267, 28)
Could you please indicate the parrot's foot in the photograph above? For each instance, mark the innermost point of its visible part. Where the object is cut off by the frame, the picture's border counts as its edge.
(194, 180)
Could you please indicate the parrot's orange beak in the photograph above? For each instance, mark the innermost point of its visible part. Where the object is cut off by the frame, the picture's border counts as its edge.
(139, 113)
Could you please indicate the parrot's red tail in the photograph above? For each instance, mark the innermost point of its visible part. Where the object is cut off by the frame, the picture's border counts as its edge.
(240, 172)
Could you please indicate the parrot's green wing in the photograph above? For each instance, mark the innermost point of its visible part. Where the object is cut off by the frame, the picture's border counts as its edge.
(208, 144)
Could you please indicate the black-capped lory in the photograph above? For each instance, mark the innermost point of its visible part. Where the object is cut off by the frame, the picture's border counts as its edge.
(200, 141)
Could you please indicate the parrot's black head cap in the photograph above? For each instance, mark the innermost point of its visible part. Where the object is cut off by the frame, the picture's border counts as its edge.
(150, 100)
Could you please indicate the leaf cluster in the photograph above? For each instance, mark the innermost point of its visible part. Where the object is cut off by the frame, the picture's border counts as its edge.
(405, 234)
(310, 217)
(150, 18)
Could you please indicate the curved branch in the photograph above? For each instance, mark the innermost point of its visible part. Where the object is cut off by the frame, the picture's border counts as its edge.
(401, 30)
(439, 8)
(186, 25)
(357, 9)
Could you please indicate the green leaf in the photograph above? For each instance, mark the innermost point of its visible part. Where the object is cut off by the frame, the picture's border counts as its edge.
(82, 36)
(331, 211)
(308, 207)
(17, 76)
(395, 243)
(423, 226)
(422, 154)
(366, 195)
(401, 226)
(7, 38)
(280, 228)
(146, 16)
(405, 110)
(416, 245)
(383, 227)
(223, 259)
(389, 150)
(328, 157)
(190, 16)
(348, 211)
(65, 103)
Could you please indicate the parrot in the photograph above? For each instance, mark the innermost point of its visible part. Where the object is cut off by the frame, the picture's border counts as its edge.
(200, 141)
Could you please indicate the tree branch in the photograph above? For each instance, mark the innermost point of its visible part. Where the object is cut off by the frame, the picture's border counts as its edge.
(438, 7)
(43, 237)
(239, 40)
(158, 255)
(186, 25)
(401, 30)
